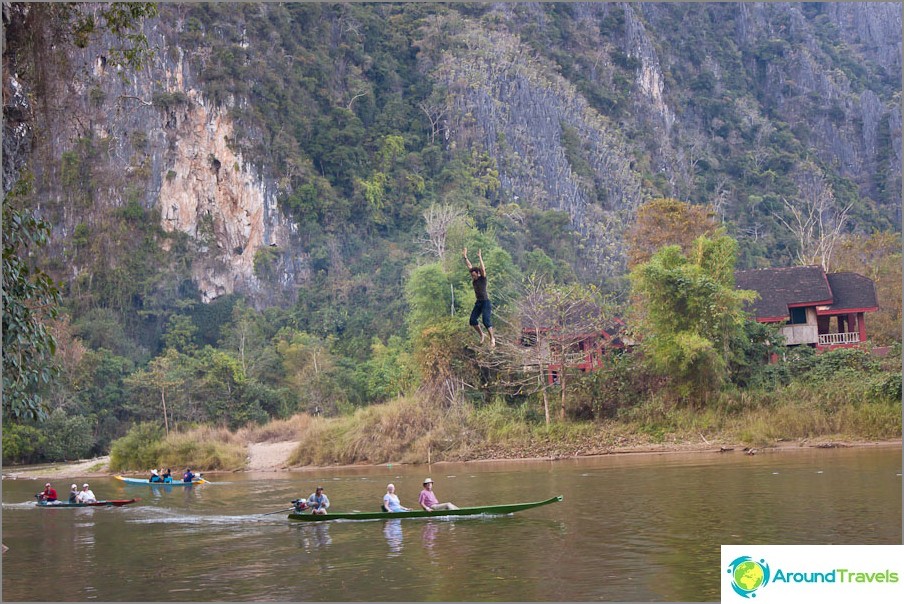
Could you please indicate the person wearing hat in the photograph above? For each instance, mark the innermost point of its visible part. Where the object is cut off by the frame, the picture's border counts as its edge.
(428, 499)
(48, 494)
(73, 493)
(86, 495)
(155, 476)
(318, 501)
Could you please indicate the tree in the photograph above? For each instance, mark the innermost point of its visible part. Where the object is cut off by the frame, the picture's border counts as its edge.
(666, 221)
(30, 301)
(553, 323)
(159, 376)
(815, 221)
(879, 258)
(438, 220)
(691, 312)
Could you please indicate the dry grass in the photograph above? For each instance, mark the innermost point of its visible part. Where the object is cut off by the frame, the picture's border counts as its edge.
(204, 448)
(279, 430)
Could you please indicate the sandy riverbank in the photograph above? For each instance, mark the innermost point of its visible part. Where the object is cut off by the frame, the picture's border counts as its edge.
(272, 457)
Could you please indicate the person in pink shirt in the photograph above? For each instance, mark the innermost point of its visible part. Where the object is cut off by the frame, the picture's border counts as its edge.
(428, 500)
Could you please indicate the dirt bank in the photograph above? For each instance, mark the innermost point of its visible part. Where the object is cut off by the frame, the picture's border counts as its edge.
(272, 457)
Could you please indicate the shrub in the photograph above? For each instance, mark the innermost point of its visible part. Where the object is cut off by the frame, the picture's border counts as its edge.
(137, 450)
(842, 360)
(22, 443)
(67, 437)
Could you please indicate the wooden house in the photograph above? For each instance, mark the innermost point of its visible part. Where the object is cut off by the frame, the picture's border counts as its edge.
(813, 308)
(571, 340)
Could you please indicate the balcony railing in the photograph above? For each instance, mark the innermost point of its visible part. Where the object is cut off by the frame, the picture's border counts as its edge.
(829, 339)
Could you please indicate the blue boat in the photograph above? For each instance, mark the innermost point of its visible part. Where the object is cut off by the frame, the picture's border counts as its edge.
(175, 483)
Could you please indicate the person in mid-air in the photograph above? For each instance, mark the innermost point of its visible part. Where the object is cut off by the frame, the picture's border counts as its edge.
(482, 305)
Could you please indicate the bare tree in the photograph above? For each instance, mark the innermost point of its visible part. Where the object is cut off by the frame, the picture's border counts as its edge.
(439, 219)
(435, 113)
(815, 220)
(552, 324)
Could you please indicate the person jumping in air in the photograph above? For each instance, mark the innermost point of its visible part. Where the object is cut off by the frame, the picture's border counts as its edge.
(482, 304)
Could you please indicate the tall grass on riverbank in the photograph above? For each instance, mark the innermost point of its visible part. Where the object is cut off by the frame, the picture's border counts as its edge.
(202, 448)
(405, 430)
(419, 429)
(841, 409)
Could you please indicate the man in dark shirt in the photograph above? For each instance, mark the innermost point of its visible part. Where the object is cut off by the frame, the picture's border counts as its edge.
(482, 305)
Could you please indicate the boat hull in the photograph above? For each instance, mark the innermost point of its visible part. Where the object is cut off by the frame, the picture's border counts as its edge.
(105, 503)
(145, 482)
(469, 511)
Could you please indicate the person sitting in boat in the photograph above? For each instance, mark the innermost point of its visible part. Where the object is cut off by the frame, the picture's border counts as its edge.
(73, 493)
(168, 476)
(48, 495)
(155, 476)
(318, 501)
(391, 501)
(188, 476)
(86, 495)
(428, 499)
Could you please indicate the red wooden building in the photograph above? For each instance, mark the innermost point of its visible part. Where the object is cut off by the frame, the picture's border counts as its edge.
(814, 308)
(586, 349)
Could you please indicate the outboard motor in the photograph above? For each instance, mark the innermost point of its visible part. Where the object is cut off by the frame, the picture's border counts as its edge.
(299, 505)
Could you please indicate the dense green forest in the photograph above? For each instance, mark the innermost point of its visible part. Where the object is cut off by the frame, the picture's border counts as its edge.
(392, 136)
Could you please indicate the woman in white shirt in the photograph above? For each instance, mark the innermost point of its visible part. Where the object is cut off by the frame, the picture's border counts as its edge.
(86, 495)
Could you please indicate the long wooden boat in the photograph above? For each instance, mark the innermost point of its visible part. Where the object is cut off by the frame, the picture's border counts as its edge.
(103, 503)
(489, 510)
(146, 482)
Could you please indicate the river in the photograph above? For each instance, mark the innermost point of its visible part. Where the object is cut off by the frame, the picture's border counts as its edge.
(631, 528)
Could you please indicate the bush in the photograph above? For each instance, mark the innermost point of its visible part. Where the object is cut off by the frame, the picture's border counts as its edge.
(886, 387)
(204, 448)
(22, 444)
(139, 449)
(830, 364)
(67, 437)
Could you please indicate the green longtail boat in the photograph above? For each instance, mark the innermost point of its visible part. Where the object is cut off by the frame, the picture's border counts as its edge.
(471, 511)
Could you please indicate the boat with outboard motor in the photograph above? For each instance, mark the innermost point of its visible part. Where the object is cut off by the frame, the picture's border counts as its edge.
(486, 510)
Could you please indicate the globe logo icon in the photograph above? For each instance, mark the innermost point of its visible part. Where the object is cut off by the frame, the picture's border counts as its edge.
(748, 575)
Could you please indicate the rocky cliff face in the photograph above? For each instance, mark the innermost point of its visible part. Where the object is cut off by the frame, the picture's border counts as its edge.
(757, 68)
(153, 134)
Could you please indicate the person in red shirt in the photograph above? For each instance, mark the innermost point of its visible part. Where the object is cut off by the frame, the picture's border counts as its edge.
(48, 494)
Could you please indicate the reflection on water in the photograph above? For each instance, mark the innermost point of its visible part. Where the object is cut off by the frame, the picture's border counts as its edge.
(631, 528)
(314, 536)
(392, 530)
(428, 537)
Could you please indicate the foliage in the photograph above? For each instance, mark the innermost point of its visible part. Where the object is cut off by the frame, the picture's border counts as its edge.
(22, 443)
(667, 221)
(390, 371)
(879, 258)
(67, 437)
(692, 312)
(30, 301)
(137, 450)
